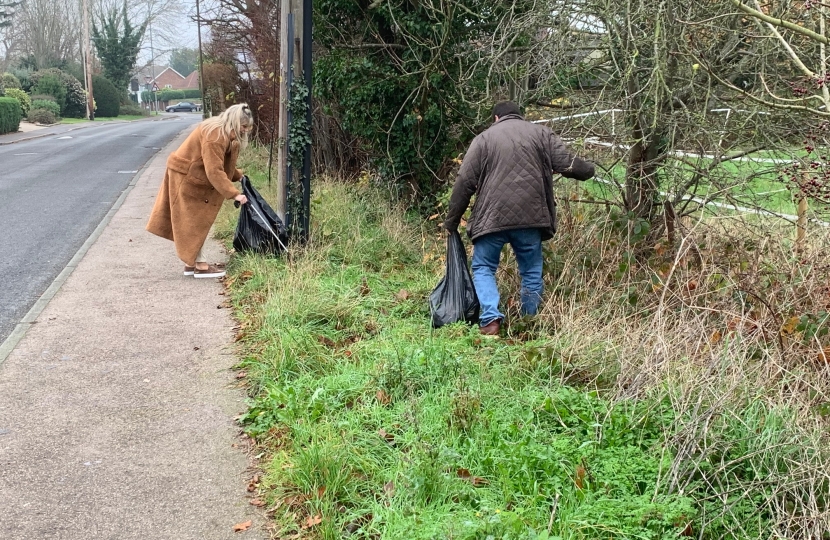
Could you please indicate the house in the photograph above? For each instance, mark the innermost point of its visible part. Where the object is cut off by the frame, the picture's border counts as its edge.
(165, 78)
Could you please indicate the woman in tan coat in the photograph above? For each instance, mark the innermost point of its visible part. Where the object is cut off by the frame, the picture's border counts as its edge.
(198, 179)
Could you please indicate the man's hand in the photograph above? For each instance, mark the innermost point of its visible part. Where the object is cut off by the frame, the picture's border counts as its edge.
(451, 227)
(241, 199)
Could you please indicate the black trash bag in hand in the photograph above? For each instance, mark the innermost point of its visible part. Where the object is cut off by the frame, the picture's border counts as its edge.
(454, 298)
(259, 230)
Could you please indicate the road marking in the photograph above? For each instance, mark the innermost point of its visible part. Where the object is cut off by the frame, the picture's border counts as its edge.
(127, 172)
(66, 137)
(26, 154)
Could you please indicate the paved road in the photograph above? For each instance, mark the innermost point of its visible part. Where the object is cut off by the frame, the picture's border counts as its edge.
(53, 193)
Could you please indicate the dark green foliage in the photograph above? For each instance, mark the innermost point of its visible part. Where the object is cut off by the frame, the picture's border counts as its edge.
(42, 116)
(42, 104)
(169, 95)
(398, 77)
(9, 115)
(116, 48)
(50, 84)
(73, 101)
(107, 97)
(184, 60)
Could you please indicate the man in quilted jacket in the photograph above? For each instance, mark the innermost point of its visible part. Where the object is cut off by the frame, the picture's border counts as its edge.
(509, 167)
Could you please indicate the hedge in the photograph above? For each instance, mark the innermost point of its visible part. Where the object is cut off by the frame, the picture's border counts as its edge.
(9, 115)
(168, 95)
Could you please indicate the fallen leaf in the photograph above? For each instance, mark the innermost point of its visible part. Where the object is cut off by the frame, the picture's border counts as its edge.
(196, 348)
(239, 527)
(383, 398)
(241, 374)
(327, 342)
(321, 491)
(347, 354)
(311, 521)
(364, 287)
(259, 503)
(580, 476)
(388, 437)
(389, 489)
(402, 295)
(476, 481)
(790, 326)
(433, 216)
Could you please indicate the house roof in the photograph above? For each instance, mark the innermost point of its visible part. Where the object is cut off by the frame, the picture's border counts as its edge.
(190, 82)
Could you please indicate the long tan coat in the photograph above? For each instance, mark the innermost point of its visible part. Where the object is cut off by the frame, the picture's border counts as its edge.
(197, 180)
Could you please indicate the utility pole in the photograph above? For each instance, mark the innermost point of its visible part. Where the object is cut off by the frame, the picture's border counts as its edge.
(201, 71)
(153, 66)
(307, 67)
(90, 104)
(282, 132)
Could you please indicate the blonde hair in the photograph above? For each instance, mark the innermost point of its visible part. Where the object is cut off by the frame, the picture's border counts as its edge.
(232, 120)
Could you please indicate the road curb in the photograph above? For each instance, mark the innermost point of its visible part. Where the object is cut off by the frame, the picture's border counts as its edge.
(34, 312)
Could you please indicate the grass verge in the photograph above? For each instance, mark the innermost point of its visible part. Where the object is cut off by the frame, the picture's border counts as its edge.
(627, 409)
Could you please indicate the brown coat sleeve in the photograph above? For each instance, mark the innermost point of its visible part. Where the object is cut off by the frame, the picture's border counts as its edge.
(213, 155)
(466, 183)
(565, 163)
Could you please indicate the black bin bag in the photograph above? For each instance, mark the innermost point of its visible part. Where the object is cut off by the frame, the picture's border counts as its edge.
(259, 230)
(454, 298)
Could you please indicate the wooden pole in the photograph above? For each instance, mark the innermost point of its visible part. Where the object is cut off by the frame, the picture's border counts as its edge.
(282, 132)
(90, 103)
(201, 61)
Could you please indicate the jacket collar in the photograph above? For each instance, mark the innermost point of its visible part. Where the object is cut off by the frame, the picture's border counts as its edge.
(511, 116)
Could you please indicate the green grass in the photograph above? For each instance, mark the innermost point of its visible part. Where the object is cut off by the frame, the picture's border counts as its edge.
(383, 427)
(747, 183)
(373, 425)
(125, 117)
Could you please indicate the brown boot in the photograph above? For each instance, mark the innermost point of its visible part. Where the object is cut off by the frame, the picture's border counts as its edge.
(492, 328)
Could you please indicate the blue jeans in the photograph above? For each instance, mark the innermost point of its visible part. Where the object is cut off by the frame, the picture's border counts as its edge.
(527, 245)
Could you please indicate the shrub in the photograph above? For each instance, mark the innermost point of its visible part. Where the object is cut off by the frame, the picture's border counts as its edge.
(25, 78)
(133, 110)
(50, 84)
(10, 81)
(22, 98)
(167, 95)
(107, 97)
(192, 94)
(46, 105)
(43, 97)
(73, 103)
(9, 115)
(42, 116)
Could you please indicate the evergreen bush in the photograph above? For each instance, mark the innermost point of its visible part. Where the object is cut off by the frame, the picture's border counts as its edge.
(107, 97)
(9, 115)
(46, 105)
(42, 116)
(22, 98)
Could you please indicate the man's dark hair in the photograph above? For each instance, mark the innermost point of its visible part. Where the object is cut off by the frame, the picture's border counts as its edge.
(503, 108)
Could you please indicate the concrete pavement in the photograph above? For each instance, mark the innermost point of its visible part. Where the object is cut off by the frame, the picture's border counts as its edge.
(116, 407)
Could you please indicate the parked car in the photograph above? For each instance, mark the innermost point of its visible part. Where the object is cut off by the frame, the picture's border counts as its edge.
(183, 106)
